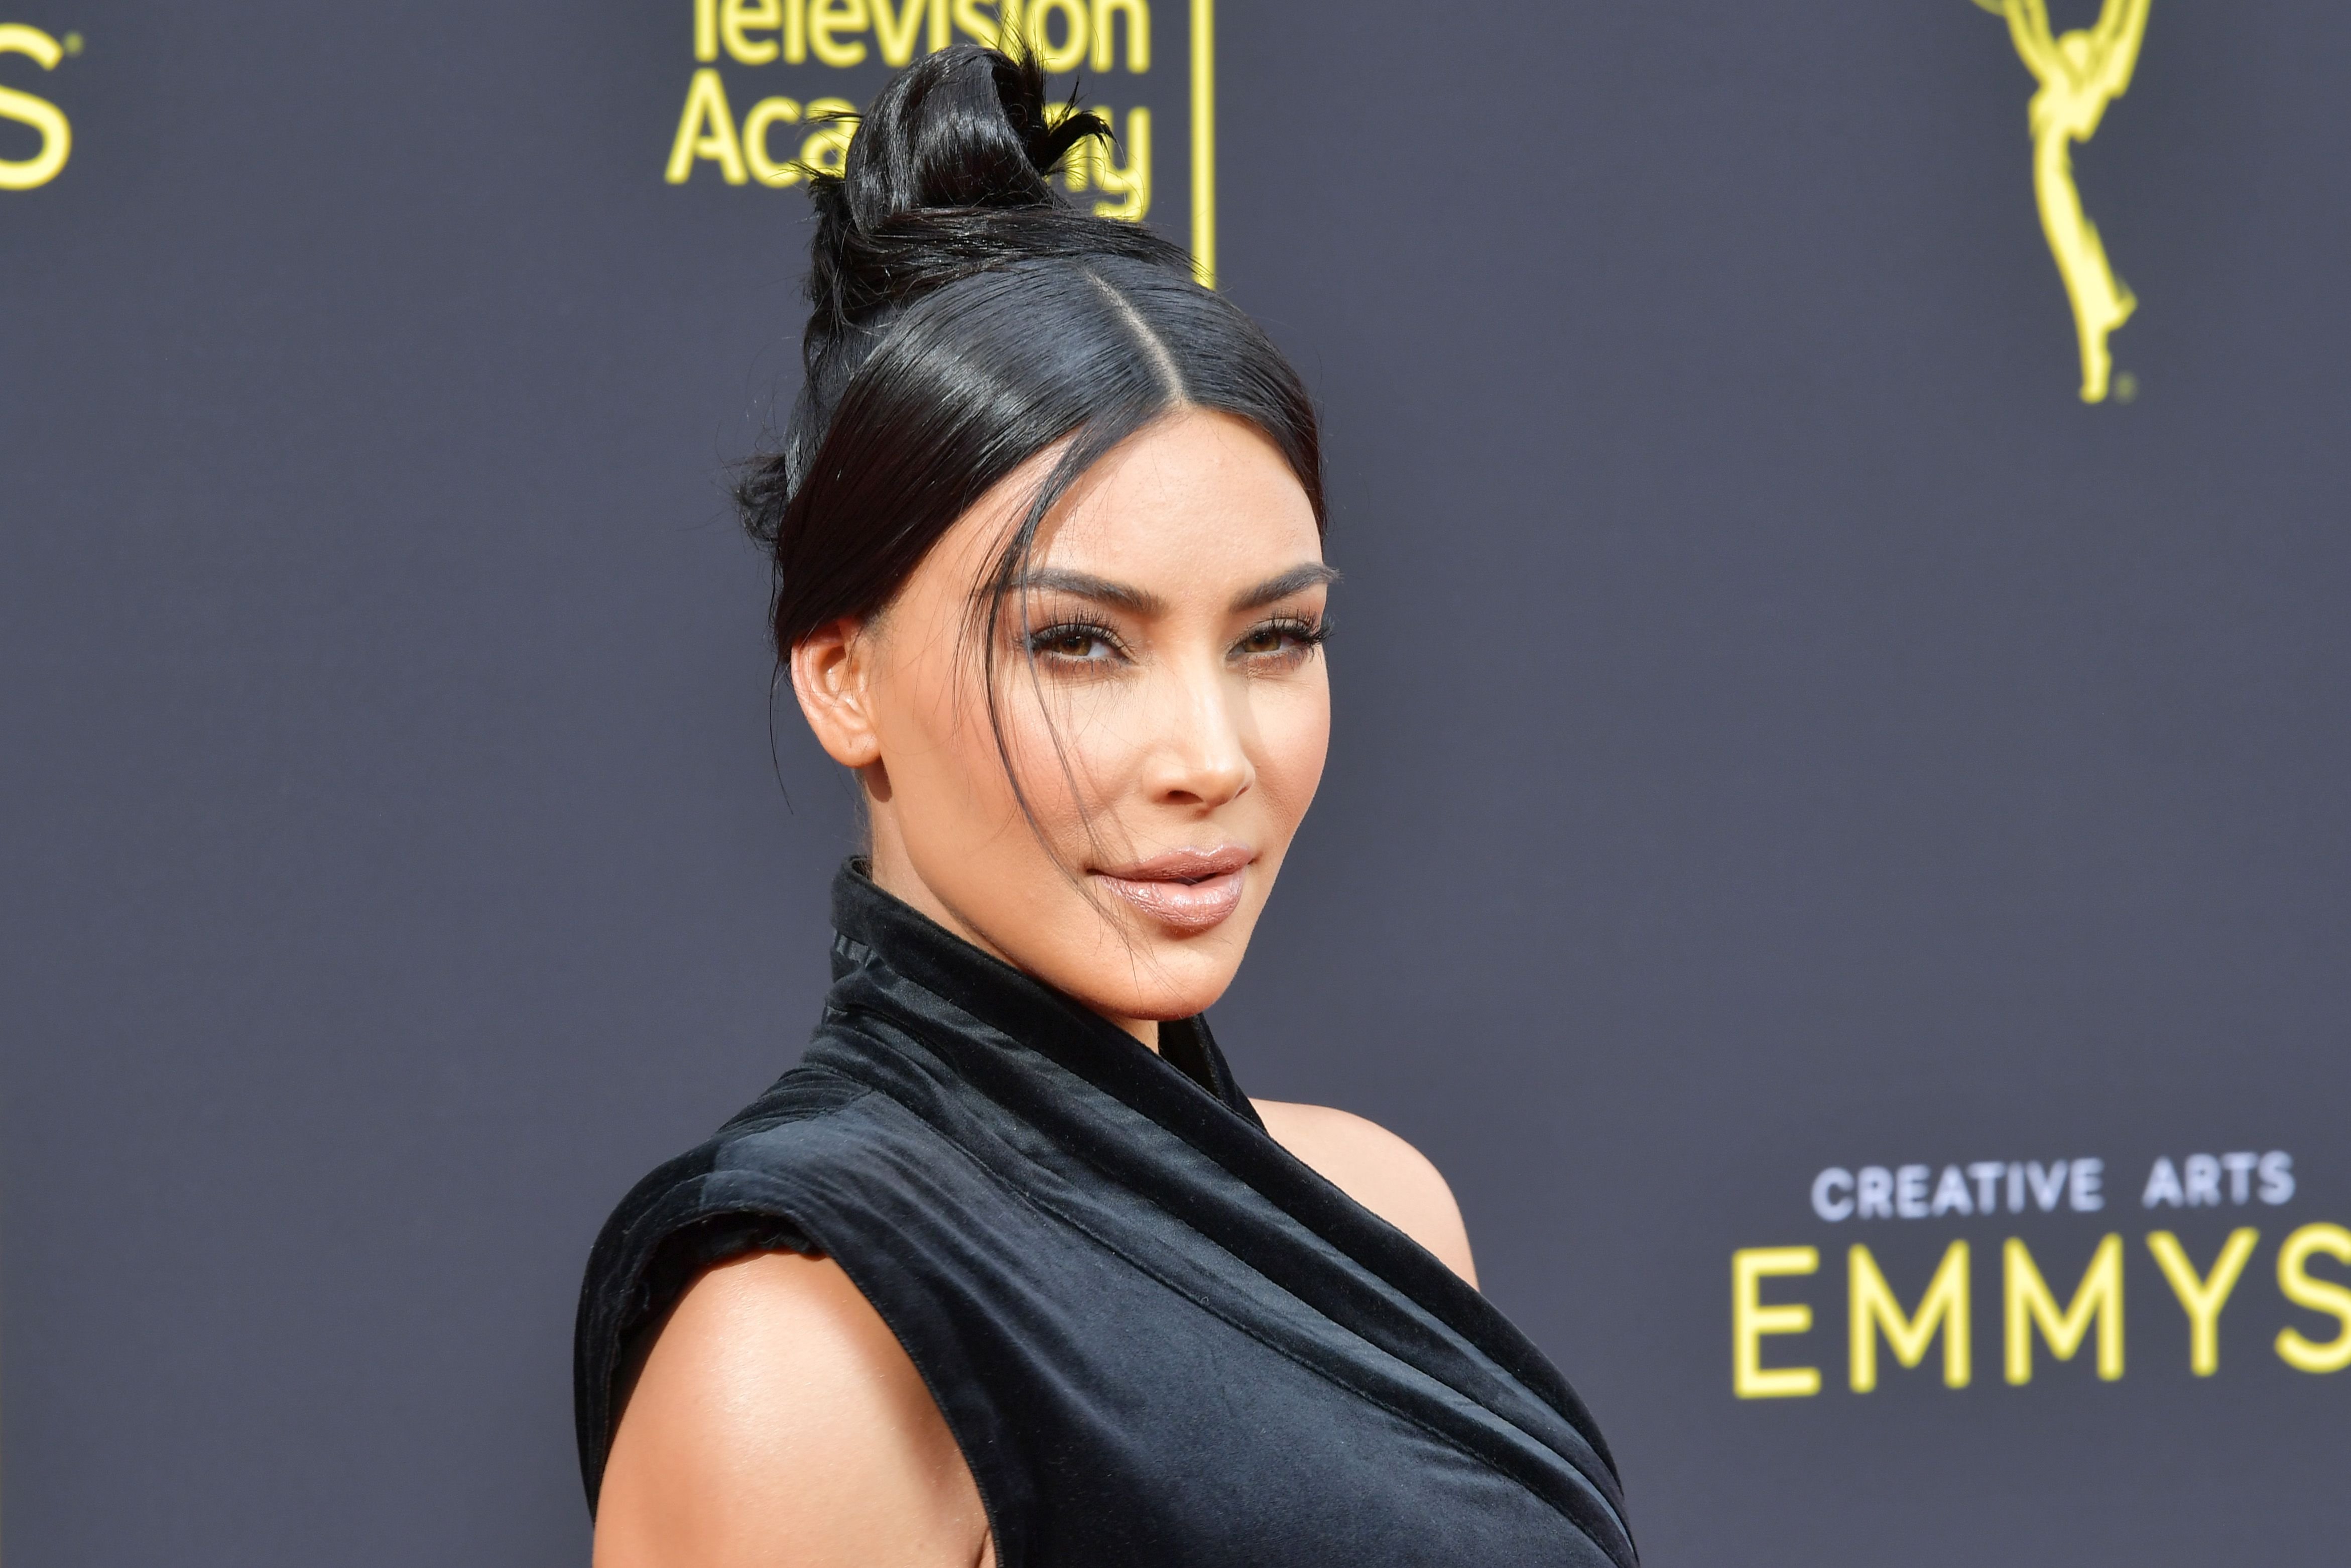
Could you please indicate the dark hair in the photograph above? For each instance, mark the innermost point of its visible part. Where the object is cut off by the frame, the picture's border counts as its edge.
(969, 318)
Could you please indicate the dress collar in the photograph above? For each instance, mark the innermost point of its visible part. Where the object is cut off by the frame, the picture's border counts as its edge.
(870, 923)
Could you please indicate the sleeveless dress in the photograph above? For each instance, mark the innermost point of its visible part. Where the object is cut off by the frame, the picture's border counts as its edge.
(1156, 1336)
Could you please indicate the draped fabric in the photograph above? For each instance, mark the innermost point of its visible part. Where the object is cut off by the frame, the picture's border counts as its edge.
(1156, 1336)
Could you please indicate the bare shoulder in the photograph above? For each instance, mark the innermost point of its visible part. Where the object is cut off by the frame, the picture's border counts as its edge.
(778, 1419)
(1378, 1170)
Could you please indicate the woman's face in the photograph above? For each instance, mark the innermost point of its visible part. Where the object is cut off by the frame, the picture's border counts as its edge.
(1163, 699)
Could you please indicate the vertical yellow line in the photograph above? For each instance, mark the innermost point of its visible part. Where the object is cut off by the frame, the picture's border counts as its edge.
(1204, 141)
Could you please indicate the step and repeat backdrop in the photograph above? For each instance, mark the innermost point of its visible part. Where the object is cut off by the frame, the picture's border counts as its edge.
(1838, 839)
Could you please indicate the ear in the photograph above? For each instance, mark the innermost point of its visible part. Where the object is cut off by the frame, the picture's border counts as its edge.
(831, 675)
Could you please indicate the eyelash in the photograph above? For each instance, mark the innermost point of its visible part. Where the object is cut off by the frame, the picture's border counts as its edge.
(1042, 640)
(1309, 635)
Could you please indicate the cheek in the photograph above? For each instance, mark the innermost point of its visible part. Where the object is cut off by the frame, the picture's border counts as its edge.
(942, 756)
(952, 773)
(1293, 731)
(1071, 747)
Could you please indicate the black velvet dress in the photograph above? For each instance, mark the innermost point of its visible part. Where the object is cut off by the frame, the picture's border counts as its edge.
(1156, 1336)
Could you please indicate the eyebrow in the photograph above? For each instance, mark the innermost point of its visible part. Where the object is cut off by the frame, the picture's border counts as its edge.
(1297, 580)
(1086, 585)
(1140, 602)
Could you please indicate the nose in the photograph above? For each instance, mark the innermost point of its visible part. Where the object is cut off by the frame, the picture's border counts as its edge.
(1201, 760)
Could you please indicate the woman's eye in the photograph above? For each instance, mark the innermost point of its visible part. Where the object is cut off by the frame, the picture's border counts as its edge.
(1279, 639)
(1082, 644)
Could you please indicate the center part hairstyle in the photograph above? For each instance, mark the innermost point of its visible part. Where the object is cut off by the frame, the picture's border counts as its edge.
(967, 318)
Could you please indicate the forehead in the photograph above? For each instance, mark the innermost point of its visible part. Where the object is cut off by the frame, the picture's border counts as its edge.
(1200, 496)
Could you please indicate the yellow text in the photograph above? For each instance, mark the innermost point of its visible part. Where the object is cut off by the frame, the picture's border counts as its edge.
(1067, 35)
(46, 118)
(2031, 1309)
(2203, 1296)
(1874, 1306)
(707, 131)
(2318, 1295)
(1750, 1320)
(2029, 1303)
(1124, 182)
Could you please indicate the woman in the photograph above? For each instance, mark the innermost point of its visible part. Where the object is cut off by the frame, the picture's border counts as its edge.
(1009, 1271)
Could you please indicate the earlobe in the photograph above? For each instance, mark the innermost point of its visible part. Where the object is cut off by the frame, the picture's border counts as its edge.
(829, 672)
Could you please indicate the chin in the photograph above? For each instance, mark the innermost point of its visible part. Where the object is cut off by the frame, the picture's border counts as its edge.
(1188, 981)
(1128, 967)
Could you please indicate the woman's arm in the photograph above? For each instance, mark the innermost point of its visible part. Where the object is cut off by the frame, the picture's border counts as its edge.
(778, 1421)
(1378, 1170)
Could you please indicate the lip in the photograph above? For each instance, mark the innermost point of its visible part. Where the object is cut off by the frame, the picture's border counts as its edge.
(1185, 890)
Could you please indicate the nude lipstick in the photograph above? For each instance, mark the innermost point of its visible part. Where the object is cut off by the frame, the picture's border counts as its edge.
(1186, 890)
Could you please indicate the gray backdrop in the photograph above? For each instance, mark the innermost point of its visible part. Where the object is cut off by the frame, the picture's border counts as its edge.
(1780, 727)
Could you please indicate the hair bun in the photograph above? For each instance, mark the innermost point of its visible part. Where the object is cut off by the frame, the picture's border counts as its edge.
(967, 126)
(948, 175)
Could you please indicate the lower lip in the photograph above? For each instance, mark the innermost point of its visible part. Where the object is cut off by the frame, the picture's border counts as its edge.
(1185, 906)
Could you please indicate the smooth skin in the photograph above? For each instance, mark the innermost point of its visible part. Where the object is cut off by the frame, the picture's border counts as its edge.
(1160, 687)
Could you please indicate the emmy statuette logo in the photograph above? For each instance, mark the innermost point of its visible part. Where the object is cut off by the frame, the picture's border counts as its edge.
(2080, 73)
